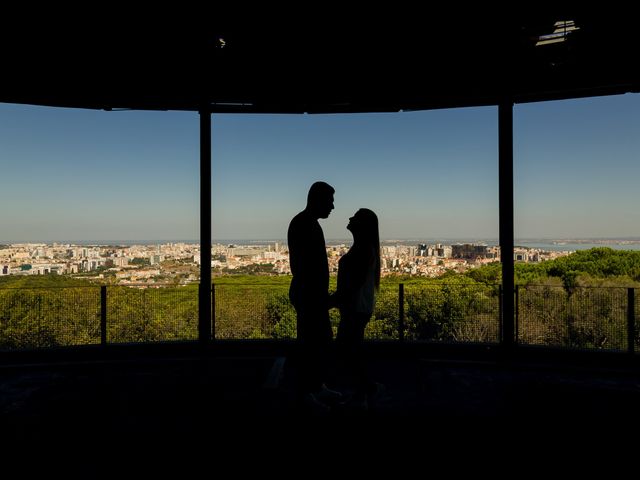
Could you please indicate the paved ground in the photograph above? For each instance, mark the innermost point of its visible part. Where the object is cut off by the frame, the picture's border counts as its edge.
(244, 411)
(160, 397)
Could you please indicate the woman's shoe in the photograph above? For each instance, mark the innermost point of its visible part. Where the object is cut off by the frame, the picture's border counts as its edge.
(356, 403)
(375, 391)
(314, 406)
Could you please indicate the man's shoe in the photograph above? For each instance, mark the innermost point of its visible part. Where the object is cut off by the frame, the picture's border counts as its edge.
(314, 406)
(326, 395)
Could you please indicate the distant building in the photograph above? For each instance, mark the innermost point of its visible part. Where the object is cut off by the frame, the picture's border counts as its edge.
(155, 259)
(470, 251)
(120, 261)
(244, 251)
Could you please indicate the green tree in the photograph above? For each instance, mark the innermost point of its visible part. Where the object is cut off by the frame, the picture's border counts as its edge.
(281, 317)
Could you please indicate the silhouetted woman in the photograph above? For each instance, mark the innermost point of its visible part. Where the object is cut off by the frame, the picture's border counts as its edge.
(358, 282)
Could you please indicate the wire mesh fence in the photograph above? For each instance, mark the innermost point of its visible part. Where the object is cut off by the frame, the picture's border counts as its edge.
(437, 313)
(49, 317)
(253, 312)
(579, 317)
(138, 315)
(265, 312)
(636, 321)
(593, 318)
(385, 321)
(450, 313)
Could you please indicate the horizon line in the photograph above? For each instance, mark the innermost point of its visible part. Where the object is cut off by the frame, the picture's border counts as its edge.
(278, 240)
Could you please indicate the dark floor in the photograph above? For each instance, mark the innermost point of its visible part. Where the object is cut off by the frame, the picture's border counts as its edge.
(190, 413)
(151, 398)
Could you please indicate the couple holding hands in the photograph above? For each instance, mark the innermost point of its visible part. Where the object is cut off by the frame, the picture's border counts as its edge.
(358, 282)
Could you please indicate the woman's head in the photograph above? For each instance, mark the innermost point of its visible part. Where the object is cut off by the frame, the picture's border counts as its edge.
(364, 226)
(364, 223)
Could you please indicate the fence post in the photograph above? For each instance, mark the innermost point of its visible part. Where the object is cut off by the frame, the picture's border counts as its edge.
(631, 320)
(401, 312)
(103, 315)
(500, 314)
(517, 314)
(213, 312)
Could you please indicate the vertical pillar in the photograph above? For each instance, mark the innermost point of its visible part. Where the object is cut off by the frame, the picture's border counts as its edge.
(505, 176)
(204, 292)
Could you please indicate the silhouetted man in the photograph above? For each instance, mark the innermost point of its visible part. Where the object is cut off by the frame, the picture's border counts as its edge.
(309, 294)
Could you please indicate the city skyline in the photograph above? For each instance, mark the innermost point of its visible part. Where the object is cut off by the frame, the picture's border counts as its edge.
(181, 261)
(92, 175)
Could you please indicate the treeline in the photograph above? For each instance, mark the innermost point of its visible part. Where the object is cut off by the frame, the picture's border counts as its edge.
(595, 267)
(557, 305)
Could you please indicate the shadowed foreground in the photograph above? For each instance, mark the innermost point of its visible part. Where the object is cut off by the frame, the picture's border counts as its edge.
(193, 397)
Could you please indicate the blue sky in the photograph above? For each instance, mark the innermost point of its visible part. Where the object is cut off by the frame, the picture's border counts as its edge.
(576, 168)
(71, 174)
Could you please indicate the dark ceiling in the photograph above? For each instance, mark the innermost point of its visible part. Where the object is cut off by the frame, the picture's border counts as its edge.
(333, 66)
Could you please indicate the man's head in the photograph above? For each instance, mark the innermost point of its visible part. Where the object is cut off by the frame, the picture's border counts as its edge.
(320, 199)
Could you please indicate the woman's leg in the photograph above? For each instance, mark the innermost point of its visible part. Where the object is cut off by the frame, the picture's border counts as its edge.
(349, 342)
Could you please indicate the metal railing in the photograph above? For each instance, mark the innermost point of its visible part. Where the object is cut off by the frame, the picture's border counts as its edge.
(42, 317)
(592, 318)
